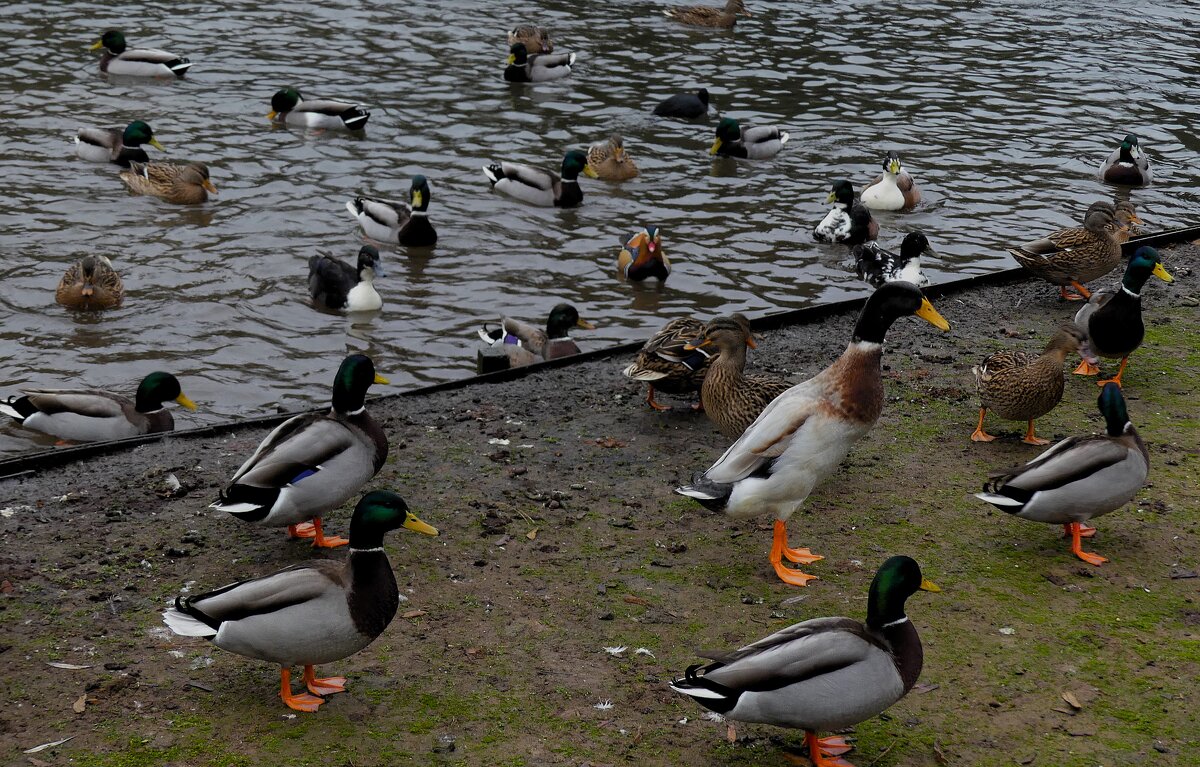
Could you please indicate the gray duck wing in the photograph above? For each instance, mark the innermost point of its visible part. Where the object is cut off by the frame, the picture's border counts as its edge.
(270, 593)
(303, 443)
(93, 404)
(799, 652)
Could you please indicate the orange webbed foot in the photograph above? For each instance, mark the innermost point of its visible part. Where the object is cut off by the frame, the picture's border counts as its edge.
(790, 576)
(800, 556)
(322, 541)
(1086, 369)
(1069, 296)
(296, 701)
(650, 400)
(1077, 549)
(979, 435)
(325, 685)
(1033, 439)
(302, 530)
(1114, 379)
(826, 752)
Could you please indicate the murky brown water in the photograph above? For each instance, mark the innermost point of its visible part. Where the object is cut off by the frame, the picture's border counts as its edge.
(1002, 111)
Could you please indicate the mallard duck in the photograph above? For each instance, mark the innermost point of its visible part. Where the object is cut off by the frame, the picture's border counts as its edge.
(893, 189)
(116, 145)
(524, 344)
(1078, 479)
(290, 108)
(90, 283)
(707, 16)
(876, 266)
(1021, 386)
(731, 398)
(747, 143)
(665, 362)
(610, 160)
(90, 415)
(542, 187)
(802, 436)
(535, 39)
(688, 106)
(388, 221)
(525, 67)
(314, 612)
(848, 221)
(118, 59)
(335, 284)
(312, 463)
(822, 674)
(1075, 255)
(181, 184)
(1113, 318)
(1125, 214)
(1126, 165)
(642, 256)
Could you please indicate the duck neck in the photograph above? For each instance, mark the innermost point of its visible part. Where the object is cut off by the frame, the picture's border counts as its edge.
(907, 652)
(372, 597)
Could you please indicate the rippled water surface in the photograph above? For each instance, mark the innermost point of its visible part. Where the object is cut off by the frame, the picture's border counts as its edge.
(1001, 110)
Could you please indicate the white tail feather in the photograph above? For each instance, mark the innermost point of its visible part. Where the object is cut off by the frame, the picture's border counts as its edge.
(699, 692)
(185, 625)
(235, 508)
(998, 500)
(638, 374)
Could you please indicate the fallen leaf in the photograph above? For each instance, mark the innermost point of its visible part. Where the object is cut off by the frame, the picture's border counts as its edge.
(414, 614)
(80, 704)
(922, 687)
(1071, 700)
(631, 599)
(531, 534)
(67, 666)
(45, 746)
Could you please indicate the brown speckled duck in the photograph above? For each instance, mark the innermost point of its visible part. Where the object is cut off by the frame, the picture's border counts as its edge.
(707, 16)
(1021, 386)
(180, 184)
(610, 160)
(666, 363)
(731, 398)
(535, 39)
(1075, 255)
(90, 283)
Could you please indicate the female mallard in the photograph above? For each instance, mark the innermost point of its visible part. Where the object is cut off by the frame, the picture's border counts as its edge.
(667, 362)
(1125, 214)
(876, 266)
(312, 463)
(610, 160)
(535, 39)
(707, 16)
(290, 108)
(848, 221)
(118, 59)
(525, 67)
(1113, 319)
(335, 284)
(115, 145)
(642, 256)
(688, 106)
(732, 399)
(90, 283)
(542, 187)
(89, 415)
(802, 436)
(824, 673)
(181, 184)
(893, 189)
(388, 221)
(314, 612)
(1021, 386)
(1075, 255)
(747, 143)
(524, 344)
(1079, 478)
(1127, 165)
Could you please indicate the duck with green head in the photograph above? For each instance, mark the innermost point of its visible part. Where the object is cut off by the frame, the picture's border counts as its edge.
(315, 612)
(119, 59)
(290, 108)
(1127, 165)
(524, 344)
(542, 187)
(1113, 318)
(757, 143)
(525, 67)
(397, 222)
(825, 673)
(120, 146)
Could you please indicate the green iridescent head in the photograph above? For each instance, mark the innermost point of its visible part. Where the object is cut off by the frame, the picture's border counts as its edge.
(378, 512)
(896, 580)
(350, 385)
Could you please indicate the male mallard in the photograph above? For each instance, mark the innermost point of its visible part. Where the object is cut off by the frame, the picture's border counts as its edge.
(542, 187)
(802, 436)
(1079, 478)
(525, 344)
(388, 221)
(90, 283)
(665, 362)
(876, 266)
(707, 16)
(610, 160)
(312, 463)
(747, 143)
(290, 108)
(1075, 255)
(732, 399)
(525, 67)
(314, 612)
(893, 189)
(688, 106)
(181, 184)
(1126, 165)
(642, 256)
(1021, 386)
(1113, 318)
(335, 284)
(116, 145)
(90, 415)
(848, 221)
(535, 39)
(118, 59)
(823, 673)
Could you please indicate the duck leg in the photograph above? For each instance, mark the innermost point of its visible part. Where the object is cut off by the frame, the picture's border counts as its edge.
(324, 686)
(779, 550)
(1033, 439)
(1085, 531)
(979, 435)
(300, 701)
(650, 399)
(820, 750)
(1086, 369)
(322, 541)
(1117, 378)
(1077, 549)
(1082, 295)
(302, 530)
